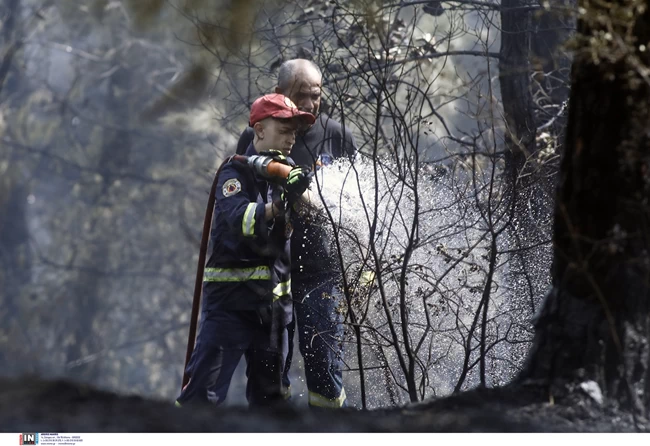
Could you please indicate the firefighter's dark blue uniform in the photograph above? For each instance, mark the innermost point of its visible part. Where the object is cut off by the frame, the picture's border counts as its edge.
(246, 293)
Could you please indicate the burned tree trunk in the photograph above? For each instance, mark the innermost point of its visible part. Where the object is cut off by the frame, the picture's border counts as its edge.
(551, 63)
(514, 79)
(553, 25)
(523, 178)
(595, 323)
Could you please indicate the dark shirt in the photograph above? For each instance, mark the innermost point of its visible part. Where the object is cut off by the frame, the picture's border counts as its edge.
(312, 248)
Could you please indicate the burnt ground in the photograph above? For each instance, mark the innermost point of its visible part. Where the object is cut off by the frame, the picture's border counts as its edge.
(33, 405)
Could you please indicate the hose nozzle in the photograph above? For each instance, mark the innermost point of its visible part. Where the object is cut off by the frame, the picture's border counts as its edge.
(265, 166)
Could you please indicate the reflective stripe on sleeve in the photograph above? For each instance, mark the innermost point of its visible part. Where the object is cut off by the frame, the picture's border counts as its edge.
(281, 289)
(236, 274)
(248, 222)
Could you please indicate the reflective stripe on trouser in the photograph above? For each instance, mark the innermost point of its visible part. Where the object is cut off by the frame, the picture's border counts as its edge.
(236, 274)
(248, 222)
(320, 401)
(281, 289)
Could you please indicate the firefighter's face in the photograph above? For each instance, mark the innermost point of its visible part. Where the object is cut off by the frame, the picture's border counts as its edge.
(277, 134)
(305, 91)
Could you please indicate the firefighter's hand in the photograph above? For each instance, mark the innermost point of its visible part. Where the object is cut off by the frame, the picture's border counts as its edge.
(297, 182)
(274, 210)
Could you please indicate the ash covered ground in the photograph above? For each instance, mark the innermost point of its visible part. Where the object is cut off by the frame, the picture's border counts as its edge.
(30, 404)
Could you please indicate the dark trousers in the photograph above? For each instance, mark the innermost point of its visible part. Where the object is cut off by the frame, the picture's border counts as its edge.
(224, 336)
(320, 339)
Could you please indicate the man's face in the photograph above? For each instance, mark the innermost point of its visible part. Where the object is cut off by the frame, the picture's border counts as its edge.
(305, 91)
(280, 134)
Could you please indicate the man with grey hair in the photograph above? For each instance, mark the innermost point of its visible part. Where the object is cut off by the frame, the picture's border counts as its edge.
(315, 272)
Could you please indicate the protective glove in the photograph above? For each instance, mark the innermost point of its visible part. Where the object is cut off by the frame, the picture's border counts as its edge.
(280, 158)
(297, 182)
(276, 155)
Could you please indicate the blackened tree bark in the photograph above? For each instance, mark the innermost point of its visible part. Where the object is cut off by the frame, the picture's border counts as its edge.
(595, 322)
(553, 25)
(551, 63)
(523, 176)
(514, 79)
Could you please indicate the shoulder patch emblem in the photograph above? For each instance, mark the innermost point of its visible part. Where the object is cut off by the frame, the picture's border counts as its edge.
(231, 187)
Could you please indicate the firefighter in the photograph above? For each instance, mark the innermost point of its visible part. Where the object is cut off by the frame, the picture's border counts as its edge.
(315, 271)
(246, 286)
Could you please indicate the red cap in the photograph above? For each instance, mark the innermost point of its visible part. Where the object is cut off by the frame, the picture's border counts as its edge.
(277, 106)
